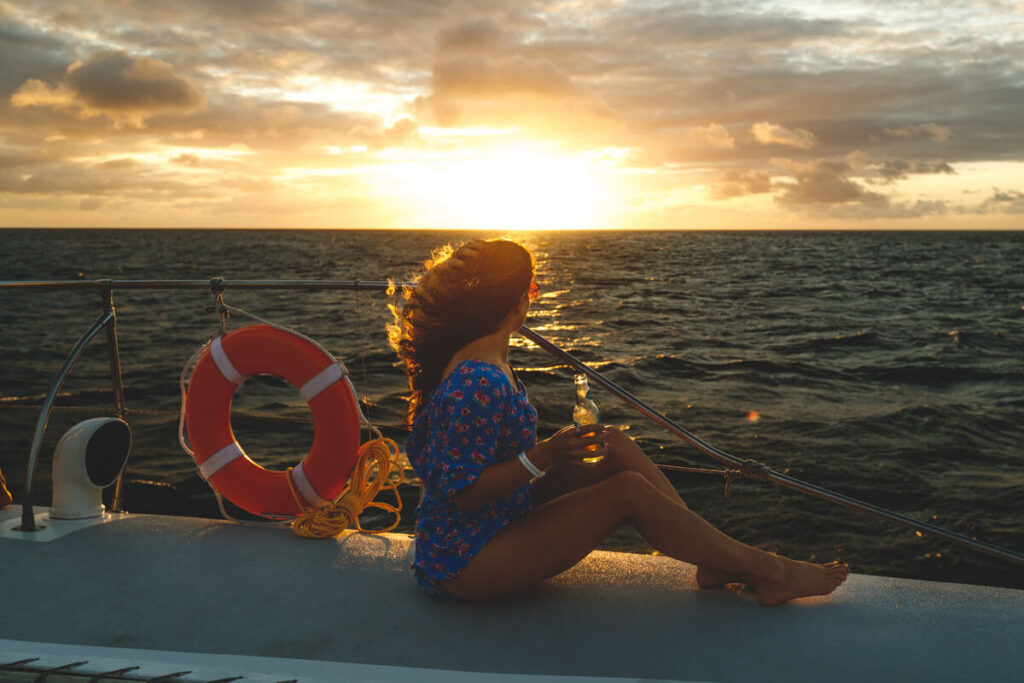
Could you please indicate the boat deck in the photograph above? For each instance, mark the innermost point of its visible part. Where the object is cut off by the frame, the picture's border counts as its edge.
(192, 587)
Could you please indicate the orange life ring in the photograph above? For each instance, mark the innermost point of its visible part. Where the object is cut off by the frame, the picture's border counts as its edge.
(264, 350)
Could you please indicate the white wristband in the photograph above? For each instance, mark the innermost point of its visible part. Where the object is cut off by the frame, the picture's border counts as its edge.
(530, 467)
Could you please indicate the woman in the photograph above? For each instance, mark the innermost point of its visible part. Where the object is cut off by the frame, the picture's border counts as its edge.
(501, 512)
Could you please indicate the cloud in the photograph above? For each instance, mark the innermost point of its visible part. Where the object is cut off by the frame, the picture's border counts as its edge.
(899, 169)
(271, 125)
(471, 35)
(822, 182)
(502, 77)
(482, 74)
(398, 133)
(732, 23)
(119, 179)
(116, 85)
(714, 135)
(187, 160)
(884, 209)
(775, 134)
(91, 203)
(827, 189)
(1001, 201)
(739, 184)
(929, 131)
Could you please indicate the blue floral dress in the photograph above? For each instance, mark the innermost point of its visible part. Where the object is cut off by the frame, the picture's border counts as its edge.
(474, 418)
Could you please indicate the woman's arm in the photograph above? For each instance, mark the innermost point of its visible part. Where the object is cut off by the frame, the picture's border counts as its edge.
(501, 479)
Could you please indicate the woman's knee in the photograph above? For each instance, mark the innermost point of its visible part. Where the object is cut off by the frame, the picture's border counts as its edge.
(614, 435)
(629, 488)
(621, 447)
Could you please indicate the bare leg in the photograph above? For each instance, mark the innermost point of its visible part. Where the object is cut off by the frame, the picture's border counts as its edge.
(556, 536)
(623, 455)
(626, 455)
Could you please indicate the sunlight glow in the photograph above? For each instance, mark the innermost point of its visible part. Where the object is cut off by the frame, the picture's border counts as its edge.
(508, 189)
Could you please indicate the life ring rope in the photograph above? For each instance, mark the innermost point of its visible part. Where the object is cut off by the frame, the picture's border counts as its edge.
(378, 468)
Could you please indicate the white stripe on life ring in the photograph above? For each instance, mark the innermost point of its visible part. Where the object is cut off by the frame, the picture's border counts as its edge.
(321, 380)
(215, 462)
(306, 488)
(224, 363)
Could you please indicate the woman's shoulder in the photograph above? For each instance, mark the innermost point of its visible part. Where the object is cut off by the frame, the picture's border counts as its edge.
(474, 375)
(475, 370)
(473, 385)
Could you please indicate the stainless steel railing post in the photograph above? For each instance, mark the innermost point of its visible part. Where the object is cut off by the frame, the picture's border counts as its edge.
(114, 354)
(28, 519)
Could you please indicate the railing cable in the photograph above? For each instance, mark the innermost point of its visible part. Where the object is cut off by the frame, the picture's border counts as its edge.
(753, 469)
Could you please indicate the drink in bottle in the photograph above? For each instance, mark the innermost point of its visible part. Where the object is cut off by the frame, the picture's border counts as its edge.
(585, 412)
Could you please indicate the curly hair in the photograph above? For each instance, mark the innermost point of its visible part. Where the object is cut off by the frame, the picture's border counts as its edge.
(463, 295)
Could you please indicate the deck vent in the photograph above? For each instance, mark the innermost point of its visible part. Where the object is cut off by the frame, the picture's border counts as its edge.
(88, 458)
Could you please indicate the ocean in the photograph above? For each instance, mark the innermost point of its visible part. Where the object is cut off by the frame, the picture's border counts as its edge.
(888, 366)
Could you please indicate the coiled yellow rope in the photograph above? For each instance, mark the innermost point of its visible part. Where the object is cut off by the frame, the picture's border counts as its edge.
(5, 495)
(374, 472)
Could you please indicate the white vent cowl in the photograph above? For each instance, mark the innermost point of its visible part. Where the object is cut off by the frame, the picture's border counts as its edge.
(88, 458)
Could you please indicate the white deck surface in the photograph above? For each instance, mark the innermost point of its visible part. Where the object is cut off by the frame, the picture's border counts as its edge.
(202, 586)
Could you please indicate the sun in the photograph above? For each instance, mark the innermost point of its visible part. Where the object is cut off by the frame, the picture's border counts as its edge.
(508, 188)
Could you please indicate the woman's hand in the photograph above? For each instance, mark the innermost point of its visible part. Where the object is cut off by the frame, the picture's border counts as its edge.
(567, 445)
(570, 445)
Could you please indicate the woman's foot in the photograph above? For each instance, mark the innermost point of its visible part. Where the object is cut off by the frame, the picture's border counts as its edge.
(786, 579)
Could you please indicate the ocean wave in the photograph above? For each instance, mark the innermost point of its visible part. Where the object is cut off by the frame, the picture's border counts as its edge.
(932, 375)
(838, 343)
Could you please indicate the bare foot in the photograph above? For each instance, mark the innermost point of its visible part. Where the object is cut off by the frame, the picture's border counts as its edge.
(708, 577)
(786, 579)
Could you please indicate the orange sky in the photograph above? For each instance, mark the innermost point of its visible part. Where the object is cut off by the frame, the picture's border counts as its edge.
(504, 115)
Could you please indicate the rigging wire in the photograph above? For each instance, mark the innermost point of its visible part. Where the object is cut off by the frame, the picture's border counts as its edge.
(753, 469)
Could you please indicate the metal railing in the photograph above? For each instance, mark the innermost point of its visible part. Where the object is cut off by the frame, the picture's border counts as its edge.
(106, 321)
(745, 467)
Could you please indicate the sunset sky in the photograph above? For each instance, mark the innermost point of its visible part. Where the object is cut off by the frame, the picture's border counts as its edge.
(506, 114)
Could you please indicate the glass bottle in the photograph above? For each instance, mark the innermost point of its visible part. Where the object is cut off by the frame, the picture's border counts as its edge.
(585, 412)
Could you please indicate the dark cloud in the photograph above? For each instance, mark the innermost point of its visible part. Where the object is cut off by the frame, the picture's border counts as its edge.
(115, 84)
(20, 159)
(114, 81)
(273, 125)
(881, 208)
(473, 35)
(684, 22)
(823, 182)
(928, 131)
(1002, 201)
(740, 184)
(899, 169)
(78, 179)
(28, 52)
